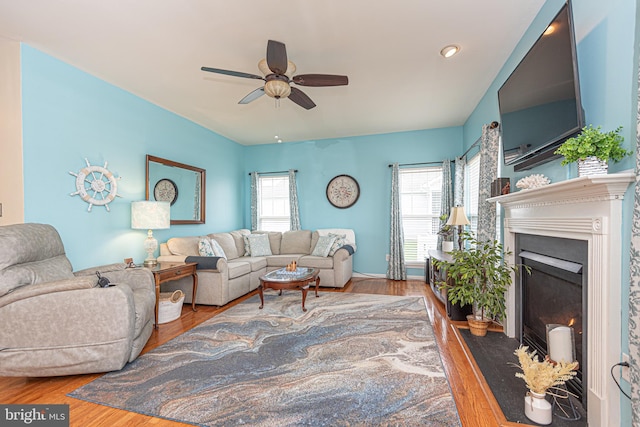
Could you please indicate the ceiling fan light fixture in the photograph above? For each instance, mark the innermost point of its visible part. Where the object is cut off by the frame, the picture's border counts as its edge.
(449, 50)
(264, 68)
(277, 89)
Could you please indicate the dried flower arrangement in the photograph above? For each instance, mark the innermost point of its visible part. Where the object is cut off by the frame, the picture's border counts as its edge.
(540, 376)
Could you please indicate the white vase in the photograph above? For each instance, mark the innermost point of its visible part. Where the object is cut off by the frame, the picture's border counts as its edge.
(592, 166)
(447, 246)
(537, 408)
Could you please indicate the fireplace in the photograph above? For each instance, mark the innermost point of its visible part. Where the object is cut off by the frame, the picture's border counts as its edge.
(553, 293)
(587, 209)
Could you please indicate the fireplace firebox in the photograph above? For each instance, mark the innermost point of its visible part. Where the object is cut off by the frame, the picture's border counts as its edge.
(554, 292)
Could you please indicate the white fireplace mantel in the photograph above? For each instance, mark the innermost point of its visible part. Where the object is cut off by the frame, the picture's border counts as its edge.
(590, 209)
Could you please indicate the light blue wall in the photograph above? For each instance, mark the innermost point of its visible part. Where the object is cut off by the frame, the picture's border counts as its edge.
(607, 49)
(367, 159)
(69, 115)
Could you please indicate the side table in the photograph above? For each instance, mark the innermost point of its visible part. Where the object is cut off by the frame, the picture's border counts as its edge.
(167, 271)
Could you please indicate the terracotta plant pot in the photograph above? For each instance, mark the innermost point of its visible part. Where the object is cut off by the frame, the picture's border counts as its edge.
(478, 327)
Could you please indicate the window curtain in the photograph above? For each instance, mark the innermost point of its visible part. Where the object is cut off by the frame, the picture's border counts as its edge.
(489, 146)
(458, 191)
(254, 201)
(396, 269)
(294, 213)
(634, 289)
(445, 197)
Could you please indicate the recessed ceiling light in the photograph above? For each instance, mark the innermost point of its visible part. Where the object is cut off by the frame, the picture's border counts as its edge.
(450, 50)
(550, 29)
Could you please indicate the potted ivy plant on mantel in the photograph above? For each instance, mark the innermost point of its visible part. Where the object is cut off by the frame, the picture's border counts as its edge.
(592, 149)
(480, 276)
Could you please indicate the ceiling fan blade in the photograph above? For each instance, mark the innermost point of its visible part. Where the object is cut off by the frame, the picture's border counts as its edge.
(277, 57)
(252, 96)
(232, 73)
(320, 80)
(300, 98)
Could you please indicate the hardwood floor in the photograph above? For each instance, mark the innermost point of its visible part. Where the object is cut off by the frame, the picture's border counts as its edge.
(475, 403)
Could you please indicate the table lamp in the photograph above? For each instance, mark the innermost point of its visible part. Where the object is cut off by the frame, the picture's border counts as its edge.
(151, 216)
(458, 217)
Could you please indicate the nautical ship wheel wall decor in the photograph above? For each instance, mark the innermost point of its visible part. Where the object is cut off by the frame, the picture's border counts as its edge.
(95, 185)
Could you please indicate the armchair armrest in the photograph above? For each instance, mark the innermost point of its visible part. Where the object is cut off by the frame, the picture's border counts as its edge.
(64, 285)
(135, 278)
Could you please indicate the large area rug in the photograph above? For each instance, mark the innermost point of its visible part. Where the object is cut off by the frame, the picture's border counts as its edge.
(350, 360)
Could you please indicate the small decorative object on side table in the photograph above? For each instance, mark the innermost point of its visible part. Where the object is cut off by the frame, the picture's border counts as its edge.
(167, 271)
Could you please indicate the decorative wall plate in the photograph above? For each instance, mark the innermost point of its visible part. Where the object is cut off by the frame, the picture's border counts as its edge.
(95, 185)
(343, 191)
(165, 190)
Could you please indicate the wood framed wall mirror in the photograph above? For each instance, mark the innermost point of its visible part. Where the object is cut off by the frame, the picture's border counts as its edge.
(181, 185)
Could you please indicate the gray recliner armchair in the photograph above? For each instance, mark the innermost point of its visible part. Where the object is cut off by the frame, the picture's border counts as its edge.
(57, 322)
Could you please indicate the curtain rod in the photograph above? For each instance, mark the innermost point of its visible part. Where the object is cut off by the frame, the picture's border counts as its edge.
(493, 125)
(266, 173)
(417, 164)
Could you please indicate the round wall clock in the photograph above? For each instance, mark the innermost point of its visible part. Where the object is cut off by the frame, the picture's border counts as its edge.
(165, 191)
(343, 191)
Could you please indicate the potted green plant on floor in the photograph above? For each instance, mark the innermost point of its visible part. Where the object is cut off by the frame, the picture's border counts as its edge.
(480, 276)
(592, 149)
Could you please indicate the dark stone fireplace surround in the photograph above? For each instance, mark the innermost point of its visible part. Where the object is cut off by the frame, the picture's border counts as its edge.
(587, 209)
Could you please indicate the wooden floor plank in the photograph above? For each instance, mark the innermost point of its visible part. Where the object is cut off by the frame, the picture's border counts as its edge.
(475, 403)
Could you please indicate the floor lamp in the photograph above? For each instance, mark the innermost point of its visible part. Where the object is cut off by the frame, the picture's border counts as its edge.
(458, 218)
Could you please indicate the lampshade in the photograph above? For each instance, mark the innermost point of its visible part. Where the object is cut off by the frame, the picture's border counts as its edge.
(149, 215)
(458, 217)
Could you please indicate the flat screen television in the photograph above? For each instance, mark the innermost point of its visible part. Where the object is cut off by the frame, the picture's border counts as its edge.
(540, 101)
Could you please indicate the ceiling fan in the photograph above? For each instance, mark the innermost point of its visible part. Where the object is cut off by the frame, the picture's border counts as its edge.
(278, 75)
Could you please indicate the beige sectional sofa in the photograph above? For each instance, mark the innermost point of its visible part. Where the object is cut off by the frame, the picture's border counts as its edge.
(222, 280)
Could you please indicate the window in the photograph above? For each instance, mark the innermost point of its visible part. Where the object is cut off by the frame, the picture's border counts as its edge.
(472, 192)
(273, 203)
(420, 192)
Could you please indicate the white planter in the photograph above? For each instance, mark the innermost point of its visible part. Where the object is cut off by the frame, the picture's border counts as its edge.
(592, 166)
(537, 408)
(447, 246)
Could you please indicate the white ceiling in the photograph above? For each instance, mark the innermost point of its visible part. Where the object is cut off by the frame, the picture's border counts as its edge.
(389, 49)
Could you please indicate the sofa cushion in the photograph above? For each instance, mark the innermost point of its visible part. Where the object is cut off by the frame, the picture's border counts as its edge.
(316, 262)
(238, 268)
(282, 260)
(238, 238)
(228, 245)
(204, 247)
(259, 245)
(184, 245)
(296, 242)
(257, 262)
(323, 246)
(275, 238)
(217, 249)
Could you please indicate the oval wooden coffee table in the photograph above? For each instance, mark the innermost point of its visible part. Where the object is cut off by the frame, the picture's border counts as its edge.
(283, 279)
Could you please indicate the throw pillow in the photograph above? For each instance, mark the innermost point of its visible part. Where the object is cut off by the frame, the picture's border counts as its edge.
(217, 249)
(247, 246)
(338, 243)
(204, 247)
(259, 244)
(323, 246)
